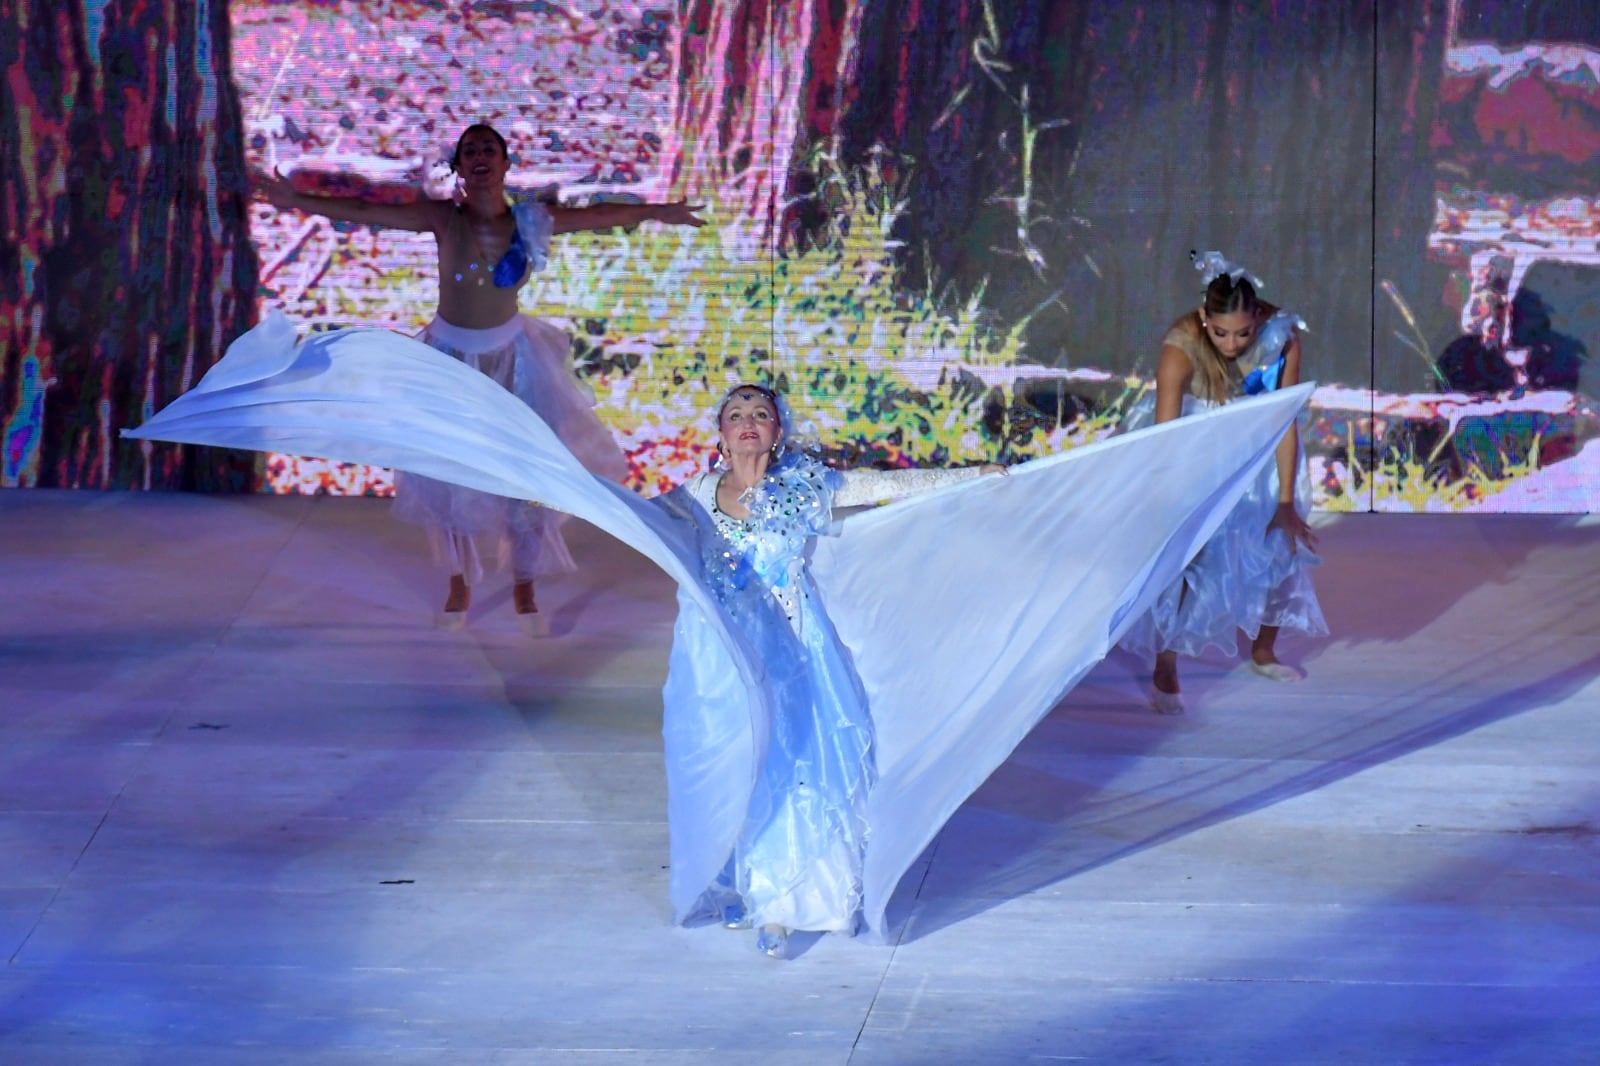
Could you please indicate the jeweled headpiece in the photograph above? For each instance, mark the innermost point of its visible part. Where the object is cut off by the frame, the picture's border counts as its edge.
(780, 405)
(1212, 265)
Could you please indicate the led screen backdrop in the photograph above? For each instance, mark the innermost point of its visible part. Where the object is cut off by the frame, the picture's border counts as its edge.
(953, 231)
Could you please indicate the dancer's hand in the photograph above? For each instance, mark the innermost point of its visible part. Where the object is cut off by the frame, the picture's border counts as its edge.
(274, 188)
(1294, 527)
(679, 213)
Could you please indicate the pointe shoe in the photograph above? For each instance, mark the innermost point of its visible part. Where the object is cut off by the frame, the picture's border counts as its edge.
(1165, 702)
(734, 917)
(451, 619)
(1276, 671)
(773, 941)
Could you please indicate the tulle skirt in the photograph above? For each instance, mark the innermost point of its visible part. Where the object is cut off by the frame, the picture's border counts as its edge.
(530, 359)
(1244, 578)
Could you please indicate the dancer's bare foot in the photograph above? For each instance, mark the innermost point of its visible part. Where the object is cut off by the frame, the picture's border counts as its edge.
(532, 622)
(454, 615)
(1164, 697)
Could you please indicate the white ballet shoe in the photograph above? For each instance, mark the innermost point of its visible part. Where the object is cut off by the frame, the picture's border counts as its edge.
(773, 941)
(1276, 671)
(734, 917)
(1165, 702)
(451, 619)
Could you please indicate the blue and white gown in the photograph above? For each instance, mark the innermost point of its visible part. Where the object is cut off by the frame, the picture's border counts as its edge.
(1245, 577)
(797, 862)
(836, 689)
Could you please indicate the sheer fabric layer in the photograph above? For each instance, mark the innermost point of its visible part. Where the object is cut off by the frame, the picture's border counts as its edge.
(934, 634)
(530, 359)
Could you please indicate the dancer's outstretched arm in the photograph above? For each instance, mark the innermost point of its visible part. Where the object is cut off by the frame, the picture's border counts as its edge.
(864, 487)
(419, 216)
(606, 216)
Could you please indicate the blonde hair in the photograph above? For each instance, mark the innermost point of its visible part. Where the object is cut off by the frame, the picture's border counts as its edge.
(1215, 378)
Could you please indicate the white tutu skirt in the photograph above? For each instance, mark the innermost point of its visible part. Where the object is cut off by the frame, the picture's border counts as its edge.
(530, 359)
(1244, 578)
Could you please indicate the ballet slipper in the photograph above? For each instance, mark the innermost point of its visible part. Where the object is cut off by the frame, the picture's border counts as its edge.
(773, 941)
(1276, 671)
(1165, 702)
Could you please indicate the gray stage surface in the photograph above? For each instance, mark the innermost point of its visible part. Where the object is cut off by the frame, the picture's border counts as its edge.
(254, 808)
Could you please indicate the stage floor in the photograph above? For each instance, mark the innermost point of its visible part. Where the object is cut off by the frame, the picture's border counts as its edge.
(255, 808)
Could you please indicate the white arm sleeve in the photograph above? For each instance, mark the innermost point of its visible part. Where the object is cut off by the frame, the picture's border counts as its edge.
(863, 487)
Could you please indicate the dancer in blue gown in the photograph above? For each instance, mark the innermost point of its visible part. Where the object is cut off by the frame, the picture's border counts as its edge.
(797, 864)
(836, 689)
(1254, 575)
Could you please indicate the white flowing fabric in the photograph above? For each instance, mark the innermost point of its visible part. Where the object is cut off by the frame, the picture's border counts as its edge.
(966, 613)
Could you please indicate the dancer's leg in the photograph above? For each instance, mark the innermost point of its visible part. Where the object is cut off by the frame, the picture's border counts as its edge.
(1164, 693)
(529, 617)
(459, 553)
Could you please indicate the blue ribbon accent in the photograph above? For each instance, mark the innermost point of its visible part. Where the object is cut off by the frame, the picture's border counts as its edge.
(1264, 378)
(508, 272)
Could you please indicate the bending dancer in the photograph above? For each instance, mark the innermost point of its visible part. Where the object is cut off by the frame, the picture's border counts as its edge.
(488, 249)
(1254, 573)
(835, 690)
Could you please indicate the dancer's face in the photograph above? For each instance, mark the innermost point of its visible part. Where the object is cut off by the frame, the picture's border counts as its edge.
(1231, 333)
(749, 423)
(480, 161)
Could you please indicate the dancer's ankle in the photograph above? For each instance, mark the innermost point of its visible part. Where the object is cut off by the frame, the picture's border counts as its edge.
(522, 597)
(1165, 675)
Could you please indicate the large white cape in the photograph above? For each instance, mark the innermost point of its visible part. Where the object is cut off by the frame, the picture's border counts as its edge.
(968, 612)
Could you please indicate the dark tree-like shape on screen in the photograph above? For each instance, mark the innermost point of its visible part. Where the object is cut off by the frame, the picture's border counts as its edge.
(756, 80)
(126, 265)
(1155, 127)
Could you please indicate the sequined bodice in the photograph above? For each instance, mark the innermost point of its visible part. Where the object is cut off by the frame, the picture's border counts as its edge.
(794, 503)
(741, 541)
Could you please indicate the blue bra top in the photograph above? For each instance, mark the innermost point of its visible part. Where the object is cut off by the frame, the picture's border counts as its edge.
(1264, 378)
(1275, 336)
